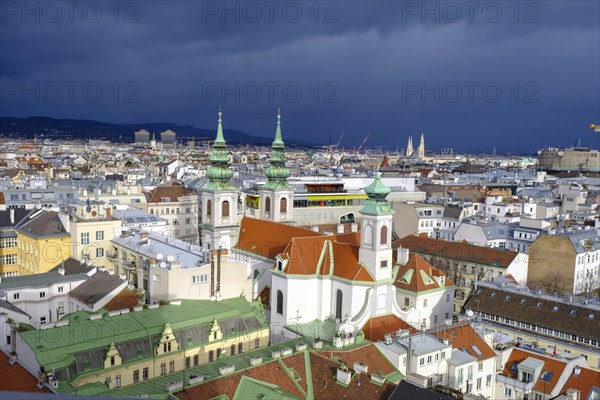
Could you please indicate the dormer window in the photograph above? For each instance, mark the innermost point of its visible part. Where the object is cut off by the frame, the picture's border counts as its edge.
(279, 265)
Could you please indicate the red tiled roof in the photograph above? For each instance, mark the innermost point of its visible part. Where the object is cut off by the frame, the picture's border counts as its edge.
(377, 327)
(456, 250)
(15, 378)
(126, 299)
(266, 238)
(265, 296)
(172, 192)
(463, 338)
(417, 283)
(583, 382)
(550, 364)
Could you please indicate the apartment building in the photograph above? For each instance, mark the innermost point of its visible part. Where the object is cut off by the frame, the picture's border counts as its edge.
(179, 206)
(464, 263)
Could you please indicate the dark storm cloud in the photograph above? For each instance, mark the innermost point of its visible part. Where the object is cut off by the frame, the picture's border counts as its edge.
(389, 68)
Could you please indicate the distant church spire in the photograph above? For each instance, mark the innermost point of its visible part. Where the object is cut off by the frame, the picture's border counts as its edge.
(409, 147)
(421, 149)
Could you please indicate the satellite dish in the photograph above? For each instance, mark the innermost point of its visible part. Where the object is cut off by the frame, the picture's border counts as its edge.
(539, 152)
(88, 209)
(163, 265)
(561, 153)
(102, 212)
(159, 256)
(470, 313)
(170, 258)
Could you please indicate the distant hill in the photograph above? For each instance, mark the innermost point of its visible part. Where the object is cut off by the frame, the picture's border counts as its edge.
(86, 129)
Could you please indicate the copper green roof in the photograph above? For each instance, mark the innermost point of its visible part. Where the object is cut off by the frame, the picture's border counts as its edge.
(377, 192)
(219, 173)
(277, 172)
(56, 347)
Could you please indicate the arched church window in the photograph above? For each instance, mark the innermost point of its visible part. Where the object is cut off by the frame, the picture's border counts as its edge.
(208, 208)
(279, 302)
(268, 204)
(283, 205)
(383, 239)
(338, 304)
(225, 209)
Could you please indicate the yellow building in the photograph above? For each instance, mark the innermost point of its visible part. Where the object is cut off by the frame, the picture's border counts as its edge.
(42, 242)
(9, 258)
(91, 227)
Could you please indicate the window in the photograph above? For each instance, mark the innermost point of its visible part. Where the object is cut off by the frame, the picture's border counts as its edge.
(163, 369)
(256, 343)
(42, 320)
(8, 243)
(196, 360)
(384, 264)
(279, 302)
(99, 252)
(112, 361)
(338, 304)
(208, 208)
(422, 361)
(171, 366)
(546, 376)
(60, 289)
(383, 235)
(240, 348)
(16, 296)
(443, 355)
(507, 392)
(283, 205)
(196, 279)
(447, 315)
(156, 278)
(480, 366)
(211, 356)
(85, 238)
(145, 374)
(429, 359)
(8, 340)
(488, 380)
(136, 376)
(42, 295)
(425, 303)
(232, 350)
(225, 209)
(8, 259)
(99, 235)
(268, 204)
(118, 381)
(478, 383)
(60, 309)
(460, 376)
(188, 221)
(406, 302)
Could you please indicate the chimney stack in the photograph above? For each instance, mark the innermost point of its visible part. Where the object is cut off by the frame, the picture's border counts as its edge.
(12, 216)
(403, 255)
(340, 228)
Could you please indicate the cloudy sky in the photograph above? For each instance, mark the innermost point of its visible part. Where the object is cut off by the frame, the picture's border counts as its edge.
(470, 75)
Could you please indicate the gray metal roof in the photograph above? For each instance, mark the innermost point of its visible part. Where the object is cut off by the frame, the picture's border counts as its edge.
(460, 357)
(39, 280)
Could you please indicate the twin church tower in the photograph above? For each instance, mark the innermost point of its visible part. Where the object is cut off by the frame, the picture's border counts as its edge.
(220, 198)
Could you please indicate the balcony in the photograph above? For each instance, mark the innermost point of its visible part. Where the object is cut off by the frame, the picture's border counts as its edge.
(526, 387)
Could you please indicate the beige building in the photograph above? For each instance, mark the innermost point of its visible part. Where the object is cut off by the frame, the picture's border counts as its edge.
(92, 227)
(167, 269)
(179, 206)
(567, 262)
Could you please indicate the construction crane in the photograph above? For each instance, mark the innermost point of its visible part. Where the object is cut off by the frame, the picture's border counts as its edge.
(331, 146)
(363, 143)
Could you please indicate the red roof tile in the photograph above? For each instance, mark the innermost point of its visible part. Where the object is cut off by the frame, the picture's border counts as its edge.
(126, 299)
(456, 250)
(15, 378)
(377, 327)
(463, 338)
(583, 382)
(550, 364)
(416, 282)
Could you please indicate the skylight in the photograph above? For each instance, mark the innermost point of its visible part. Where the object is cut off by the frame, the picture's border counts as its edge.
(493, 294)
(555, 308)
(573, 312)
(591, 316)
(476, 350)
(523, 301)
(539, 304)
(546, 376)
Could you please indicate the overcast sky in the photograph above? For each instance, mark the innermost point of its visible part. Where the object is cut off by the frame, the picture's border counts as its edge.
(470, 75)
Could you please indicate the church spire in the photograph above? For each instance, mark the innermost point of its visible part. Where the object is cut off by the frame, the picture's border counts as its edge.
(377, 191)
(277, 172)
(218, 173)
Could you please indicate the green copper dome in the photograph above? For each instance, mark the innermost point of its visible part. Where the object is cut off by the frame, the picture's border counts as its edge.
(277, 172)
(219, 173)
(377, 192)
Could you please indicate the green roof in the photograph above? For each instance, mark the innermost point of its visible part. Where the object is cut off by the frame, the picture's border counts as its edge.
(277, 172)
(250, 388)
(55, 347)
(219, 173)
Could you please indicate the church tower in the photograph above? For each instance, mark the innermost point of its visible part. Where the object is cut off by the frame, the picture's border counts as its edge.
(376, 231)
(219, 198)
(421, 149)
(409, 147)
(277, 195)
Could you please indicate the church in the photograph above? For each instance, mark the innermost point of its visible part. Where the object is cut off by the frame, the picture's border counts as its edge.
(305, 278)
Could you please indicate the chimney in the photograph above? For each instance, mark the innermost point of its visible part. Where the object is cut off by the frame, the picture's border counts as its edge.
(340, 228)
(144, 235)
(577, 370)
(572, 394)
(354, 227)
(403, 255)
(12, 216)
(315, 228)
